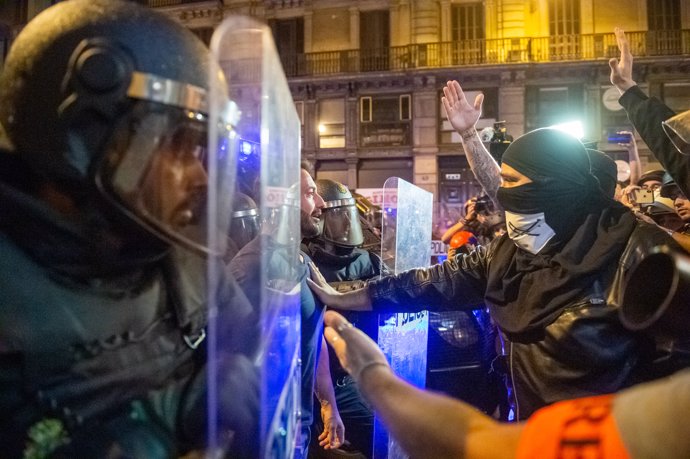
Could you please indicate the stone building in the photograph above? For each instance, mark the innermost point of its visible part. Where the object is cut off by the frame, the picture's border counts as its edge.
(366, 76)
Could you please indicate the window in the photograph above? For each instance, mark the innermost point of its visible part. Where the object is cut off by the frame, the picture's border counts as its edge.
(374, 40)
(467, 22)
(467, 32)
(331, 123)
(405, 108)
(385, 120)
(546, 106)
(564, 29)
(664, 36)
(365, 109)
(447, 134)
(288, 35)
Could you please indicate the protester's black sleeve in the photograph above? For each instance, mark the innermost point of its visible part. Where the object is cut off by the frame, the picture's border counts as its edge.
(646, 114)
(457, 283)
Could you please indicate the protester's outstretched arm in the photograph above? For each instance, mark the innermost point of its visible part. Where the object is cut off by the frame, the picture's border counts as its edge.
(646, 114)
(463, 117)
(426, 424)
(355, 300)
(333, 434)
(621, 69)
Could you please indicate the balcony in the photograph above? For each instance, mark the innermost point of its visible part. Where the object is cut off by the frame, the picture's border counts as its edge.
(487, 52)
(164, 3)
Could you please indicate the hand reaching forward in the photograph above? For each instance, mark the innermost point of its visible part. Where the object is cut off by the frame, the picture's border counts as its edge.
(621, 69)
(356, 300)
(461, 115)
(355, 350)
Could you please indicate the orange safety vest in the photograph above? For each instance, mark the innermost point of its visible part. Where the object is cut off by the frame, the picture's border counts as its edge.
(583, 428)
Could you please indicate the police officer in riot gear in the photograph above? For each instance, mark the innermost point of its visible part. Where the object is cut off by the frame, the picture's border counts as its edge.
(337, 254)
(244, 225)
(103, 184)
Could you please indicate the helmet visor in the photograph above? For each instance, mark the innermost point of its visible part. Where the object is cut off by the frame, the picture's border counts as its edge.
(244, 229)
(156, 169)
(677, 129)
(341, 226)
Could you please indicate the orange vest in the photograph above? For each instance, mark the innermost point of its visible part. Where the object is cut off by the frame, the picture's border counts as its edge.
(583, 428)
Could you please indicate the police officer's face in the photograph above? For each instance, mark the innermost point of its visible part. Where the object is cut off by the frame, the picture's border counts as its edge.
(175, 186)
(311, 204)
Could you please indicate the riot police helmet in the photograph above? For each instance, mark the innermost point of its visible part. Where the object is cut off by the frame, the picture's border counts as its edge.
(108, 100)
(244, 225)
(340, 218)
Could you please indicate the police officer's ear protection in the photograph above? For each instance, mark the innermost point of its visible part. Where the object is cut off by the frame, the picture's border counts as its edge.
(96, 82)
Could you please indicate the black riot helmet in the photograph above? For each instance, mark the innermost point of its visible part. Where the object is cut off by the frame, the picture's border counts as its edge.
(108, 98)
(339, 217)
(244, 225)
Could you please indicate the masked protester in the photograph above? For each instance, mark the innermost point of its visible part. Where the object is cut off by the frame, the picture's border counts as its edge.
(103, 184)
(552, 283)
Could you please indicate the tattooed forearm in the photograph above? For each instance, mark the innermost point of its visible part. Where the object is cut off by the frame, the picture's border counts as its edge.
(485, 169)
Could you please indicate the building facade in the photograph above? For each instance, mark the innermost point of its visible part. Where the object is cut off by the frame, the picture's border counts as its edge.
(366, 76)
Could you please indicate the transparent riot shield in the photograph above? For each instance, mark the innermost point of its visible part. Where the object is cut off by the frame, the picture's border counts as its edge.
(254, 331)
(405, 244)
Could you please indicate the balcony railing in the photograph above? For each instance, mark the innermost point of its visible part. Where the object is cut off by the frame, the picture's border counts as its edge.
(163, 3)
(491, 51)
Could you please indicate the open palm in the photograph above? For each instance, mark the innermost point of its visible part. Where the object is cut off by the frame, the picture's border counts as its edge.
(460, 113)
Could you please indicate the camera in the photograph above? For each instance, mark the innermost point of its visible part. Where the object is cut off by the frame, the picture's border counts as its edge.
(643, 197)
(484, 205)
(619, 137)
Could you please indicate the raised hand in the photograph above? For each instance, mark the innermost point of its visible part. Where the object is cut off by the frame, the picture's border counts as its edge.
(460, 113)
(621, 69)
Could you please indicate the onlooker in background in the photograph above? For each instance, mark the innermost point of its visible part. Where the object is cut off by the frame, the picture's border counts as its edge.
(681, 203)
(662, 212)
(468, 223)
(649, 184)
(633, 155)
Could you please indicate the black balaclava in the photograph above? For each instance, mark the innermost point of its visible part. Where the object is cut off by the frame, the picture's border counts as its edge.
(562, 187)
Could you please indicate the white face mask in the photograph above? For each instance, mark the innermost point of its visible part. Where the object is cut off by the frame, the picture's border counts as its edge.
(529, 231)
